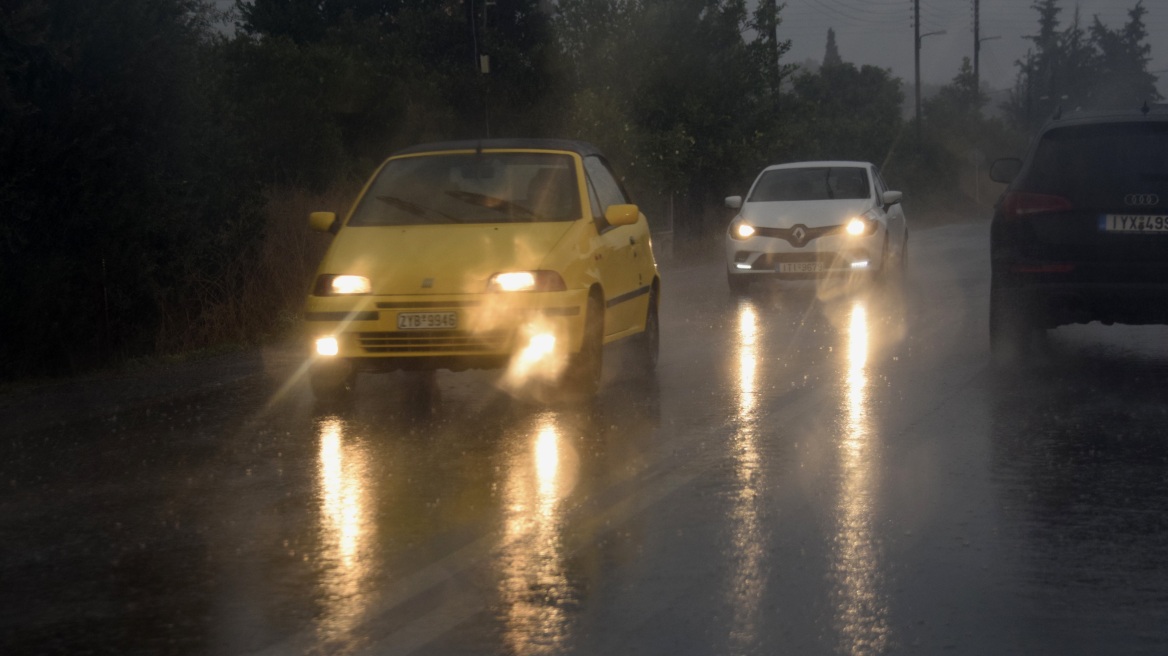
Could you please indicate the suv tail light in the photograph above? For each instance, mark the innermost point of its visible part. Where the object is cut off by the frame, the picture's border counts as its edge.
(1021, 203)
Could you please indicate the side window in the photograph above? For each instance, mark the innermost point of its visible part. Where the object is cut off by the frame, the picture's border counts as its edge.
(594, 201)
(880, 186)
(608, 190)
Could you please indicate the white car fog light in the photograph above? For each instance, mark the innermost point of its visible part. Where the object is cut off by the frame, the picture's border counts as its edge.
(742, 265)
(862, 264)
(327, 346)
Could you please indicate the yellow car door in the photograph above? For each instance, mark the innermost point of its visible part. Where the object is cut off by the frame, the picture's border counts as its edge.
(624, 250)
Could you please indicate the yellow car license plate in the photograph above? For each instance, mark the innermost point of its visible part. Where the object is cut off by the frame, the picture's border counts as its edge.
(427, 320)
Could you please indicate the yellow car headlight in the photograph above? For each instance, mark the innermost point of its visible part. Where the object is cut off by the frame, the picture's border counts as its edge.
(526, 281)
(342, 285)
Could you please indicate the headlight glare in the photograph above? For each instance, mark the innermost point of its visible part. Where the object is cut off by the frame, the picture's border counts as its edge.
(351, 285)
(327, 346)
(741, 230)
(857, 227)
(526, 281)
(341, 285)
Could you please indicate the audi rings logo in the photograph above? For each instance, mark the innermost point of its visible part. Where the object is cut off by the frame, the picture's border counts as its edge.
(1141, 200)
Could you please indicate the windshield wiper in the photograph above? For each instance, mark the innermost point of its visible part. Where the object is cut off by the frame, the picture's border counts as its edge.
(491, 202)
(415, 209)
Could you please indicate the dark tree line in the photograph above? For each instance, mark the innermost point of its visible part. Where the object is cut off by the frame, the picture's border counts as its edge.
(140, 139)
(1082, 67)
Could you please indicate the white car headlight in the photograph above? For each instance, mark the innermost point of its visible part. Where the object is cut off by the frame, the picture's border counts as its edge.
(741, 230)
(856, 226)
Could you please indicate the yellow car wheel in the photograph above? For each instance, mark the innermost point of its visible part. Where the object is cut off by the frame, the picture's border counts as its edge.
(648, 343)
(584, 367)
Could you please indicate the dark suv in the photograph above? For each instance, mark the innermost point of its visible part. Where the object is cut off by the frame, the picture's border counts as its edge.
(1081, 233)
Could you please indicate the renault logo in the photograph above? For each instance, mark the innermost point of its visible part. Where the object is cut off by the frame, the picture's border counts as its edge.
(798, 235)
(1141, 200)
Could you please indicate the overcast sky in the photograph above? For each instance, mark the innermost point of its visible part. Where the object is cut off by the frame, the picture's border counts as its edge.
(879, 32)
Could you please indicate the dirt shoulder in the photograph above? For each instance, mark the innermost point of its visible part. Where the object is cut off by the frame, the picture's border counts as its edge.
(43, 405)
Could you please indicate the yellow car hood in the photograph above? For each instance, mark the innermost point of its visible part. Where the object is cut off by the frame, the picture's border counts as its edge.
(440, 259)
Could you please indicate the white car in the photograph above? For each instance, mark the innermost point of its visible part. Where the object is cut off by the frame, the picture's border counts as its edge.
(811, 220)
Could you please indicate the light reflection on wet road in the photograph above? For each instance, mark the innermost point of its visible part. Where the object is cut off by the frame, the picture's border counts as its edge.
(861, 604)
(840, 474)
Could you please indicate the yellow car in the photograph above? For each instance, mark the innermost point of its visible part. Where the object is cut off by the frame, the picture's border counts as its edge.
(518, 254)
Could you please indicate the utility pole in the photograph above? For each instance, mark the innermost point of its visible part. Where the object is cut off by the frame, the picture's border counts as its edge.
(977, 45)
(917, 37)
(917, 64)
(977, 39)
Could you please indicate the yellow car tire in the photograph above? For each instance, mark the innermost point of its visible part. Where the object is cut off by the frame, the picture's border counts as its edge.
(584, 368)
(648, 343)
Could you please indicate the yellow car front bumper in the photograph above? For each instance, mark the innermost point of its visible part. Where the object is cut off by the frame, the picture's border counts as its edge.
(466, 331)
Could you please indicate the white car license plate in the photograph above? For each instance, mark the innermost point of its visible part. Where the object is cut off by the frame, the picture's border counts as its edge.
(1134, 223)
(427, 320)
(800, 267)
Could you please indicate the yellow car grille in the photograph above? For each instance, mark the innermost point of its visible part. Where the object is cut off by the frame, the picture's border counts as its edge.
(433, 341)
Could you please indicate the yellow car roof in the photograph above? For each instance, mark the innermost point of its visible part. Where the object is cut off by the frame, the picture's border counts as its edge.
(582, 148)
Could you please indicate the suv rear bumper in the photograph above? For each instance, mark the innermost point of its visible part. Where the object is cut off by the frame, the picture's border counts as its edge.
(1051, 304)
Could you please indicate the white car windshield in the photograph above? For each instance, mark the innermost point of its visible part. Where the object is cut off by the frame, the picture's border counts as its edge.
(818, 183)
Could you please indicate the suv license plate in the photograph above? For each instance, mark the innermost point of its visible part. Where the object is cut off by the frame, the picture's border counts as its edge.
(800, 267)
(1134, 223)
(427, 320)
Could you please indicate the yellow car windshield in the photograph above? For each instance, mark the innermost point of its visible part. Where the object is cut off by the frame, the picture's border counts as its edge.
(471, 188)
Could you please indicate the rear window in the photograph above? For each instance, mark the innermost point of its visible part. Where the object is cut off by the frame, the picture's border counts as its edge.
(471, 188)
(1100, 165)
(818, 183)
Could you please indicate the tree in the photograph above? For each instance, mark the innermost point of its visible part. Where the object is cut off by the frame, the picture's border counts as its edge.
(831, 56)
(1073, 68)
(824, 112)
(1124, 80)
(958, 139)
(115, 175)
(957, 104)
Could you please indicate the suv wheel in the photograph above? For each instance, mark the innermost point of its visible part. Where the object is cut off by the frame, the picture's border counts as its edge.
(1012, 327)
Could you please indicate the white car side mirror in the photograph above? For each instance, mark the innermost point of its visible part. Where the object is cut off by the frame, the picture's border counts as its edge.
(734, 202)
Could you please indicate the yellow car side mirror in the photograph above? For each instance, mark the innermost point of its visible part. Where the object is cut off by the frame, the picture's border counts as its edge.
(322, 221)
(620, 215)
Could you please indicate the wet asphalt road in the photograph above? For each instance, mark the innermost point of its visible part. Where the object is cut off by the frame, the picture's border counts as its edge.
(837, 475)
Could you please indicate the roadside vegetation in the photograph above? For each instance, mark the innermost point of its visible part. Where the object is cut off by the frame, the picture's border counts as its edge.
(158, 158)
